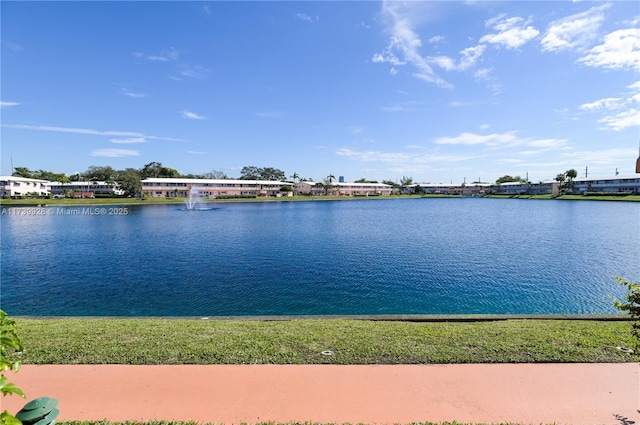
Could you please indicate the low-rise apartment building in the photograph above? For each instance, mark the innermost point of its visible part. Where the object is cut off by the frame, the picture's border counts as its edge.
(12, 186)
(619, 184)
(181, 187)
(342, 189)
(87, 189)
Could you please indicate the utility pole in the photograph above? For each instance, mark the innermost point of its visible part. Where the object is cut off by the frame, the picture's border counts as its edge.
(617, 171)
(586, 172)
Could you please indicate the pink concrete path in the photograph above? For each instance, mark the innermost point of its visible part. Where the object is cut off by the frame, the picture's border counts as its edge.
(523, 393)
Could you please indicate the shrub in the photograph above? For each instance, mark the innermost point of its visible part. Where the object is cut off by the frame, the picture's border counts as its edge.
(9, 343)
(631, 306)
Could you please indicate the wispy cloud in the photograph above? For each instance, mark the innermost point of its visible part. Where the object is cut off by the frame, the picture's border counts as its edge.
(87, 131)
(305, 17)
(130, 140)
(198, 153)
(8, 104)
(165, 55)
(131, 93)
(404, 42)
(508, 139)
(114, 153)
(574, 31)
(191, 115)
(601, 157)
(619, 50)
(436, 39)
(619, 112)
(270, 114)
(193, 71)
(468, 58)
(206, 9)
(14, 47)
(354, 129)
(509, 32)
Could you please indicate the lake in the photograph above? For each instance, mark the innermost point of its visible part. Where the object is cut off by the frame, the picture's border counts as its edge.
(382, 256)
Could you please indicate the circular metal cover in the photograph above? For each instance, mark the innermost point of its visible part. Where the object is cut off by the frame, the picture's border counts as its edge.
(37, 409)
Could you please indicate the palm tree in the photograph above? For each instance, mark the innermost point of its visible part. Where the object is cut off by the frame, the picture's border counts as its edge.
(295, 177)
(330, 177)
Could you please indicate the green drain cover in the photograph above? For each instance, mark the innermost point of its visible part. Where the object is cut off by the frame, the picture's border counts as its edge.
(41, 411)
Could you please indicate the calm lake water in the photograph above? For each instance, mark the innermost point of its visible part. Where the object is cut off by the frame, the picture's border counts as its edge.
(398, 256)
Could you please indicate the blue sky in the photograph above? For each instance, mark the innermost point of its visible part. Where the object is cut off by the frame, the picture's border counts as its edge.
(438, 91)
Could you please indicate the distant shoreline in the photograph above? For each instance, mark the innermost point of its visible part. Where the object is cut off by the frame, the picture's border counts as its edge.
(180, 201)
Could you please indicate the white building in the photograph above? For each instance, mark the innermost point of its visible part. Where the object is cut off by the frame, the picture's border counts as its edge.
(12, 186)
(629, 184)
(342, 189)
(181, 187)
(89, 189)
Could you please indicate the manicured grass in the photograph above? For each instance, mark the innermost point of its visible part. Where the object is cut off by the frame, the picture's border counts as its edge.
(105, 422)
(137, 201)
(196, 341)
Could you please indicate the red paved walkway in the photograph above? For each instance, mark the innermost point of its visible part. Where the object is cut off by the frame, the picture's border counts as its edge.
(524, 393)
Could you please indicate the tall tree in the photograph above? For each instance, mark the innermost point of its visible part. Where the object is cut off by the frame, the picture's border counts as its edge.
(215, 174)
(129, 181)
(22, 172)
(507, 179)
(99, 173)
(406, 181)
(250, 172)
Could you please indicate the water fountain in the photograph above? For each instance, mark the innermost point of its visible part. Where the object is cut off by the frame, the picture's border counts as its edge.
(194, 199)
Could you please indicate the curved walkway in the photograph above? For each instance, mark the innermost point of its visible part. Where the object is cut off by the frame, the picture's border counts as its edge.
(231, 394)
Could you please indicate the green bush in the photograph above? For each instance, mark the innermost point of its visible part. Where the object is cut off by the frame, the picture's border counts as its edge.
(9, 344)
(631, 306)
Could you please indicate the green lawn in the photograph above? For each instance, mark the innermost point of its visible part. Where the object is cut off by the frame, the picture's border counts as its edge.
(196, 341)
(105, 422)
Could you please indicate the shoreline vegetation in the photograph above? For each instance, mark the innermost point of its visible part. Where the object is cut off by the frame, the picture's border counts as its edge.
(156, 201)
(168, 341)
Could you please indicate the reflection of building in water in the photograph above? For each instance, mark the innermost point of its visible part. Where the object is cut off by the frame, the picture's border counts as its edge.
(638, 161)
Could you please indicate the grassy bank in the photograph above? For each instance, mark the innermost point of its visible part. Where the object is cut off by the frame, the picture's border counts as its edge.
(138, 201)
(106, 422)
(195, 341)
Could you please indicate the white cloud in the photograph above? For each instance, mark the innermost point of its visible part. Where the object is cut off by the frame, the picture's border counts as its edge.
(86, 131)
(468, 58)
(401, 159)
(305, 17)
(8, 104)
(133, 94)
(129, 140)
(191, 115)
(574, 31)
(608, 103)
(502, 140)
(404, 44)
(114, 153)
(270, 114)
(193, 71)
(603, 157)
(14, 47)
(511, 32)
(436, 39)
(478, 139)
(619, 112)
(619, 50)
(484, 126)
(198, 153)
(354, 129)
(165, 55)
